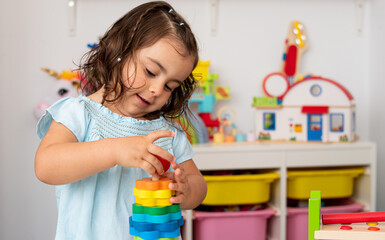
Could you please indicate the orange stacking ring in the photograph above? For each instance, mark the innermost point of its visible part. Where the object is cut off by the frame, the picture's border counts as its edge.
(148, 184)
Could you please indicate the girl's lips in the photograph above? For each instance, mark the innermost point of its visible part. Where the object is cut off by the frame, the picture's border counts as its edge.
(142, 100)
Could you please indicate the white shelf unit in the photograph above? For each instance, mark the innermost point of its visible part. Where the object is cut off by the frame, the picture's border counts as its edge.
(281, 157)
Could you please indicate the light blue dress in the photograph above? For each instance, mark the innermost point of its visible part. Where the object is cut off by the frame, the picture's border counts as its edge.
(99, 206)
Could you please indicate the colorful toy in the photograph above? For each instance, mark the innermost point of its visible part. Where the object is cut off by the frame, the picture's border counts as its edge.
(295, 45)
(350, 226)
(154, 217)
(209, 95)
(68, 84)
(309, 108)
(227, 129)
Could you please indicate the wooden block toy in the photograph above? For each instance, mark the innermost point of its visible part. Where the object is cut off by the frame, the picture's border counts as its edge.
(153, 202)
(144, 230)
(155, 210)
(154, 217)
(357, 231)
(367, 225)
(348, 218)
(166, 164)
(154, 234)
(314, 213)
(295, 45)
(140, 193)
(169, 226)
(148, 184)
(139, 238)
(157, 218)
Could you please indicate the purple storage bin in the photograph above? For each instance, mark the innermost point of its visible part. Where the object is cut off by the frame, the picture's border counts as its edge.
(246, 225)
(297, 218)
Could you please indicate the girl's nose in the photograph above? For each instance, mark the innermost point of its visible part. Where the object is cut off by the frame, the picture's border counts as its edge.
(156, 88)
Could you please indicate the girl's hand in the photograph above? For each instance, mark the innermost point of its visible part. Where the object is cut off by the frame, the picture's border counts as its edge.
(140, 151)
(180, 183)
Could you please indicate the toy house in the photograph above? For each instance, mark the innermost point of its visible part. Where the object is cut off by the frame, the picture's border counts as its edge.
(313, 109)
(303, 108)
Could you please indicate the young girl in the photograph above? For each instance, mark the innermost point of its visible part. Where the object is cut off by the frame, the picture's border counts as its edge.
(94, 147)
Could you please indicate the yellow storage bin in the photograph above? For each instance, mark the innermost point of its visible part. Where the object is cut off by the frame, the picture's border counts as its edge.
(239, 189)
(333, 183)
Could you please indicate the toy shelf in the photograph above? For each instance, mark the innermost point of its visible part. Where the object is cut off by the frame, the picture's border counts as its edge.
(281, 157)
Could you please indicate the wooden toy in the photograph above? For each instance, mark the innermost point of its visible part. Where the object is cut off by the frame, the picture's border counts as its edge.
(368, 225)
(166, 164)
(295, 45)
(348, 218)
(309, 108)
(275, 84)
(154, 217)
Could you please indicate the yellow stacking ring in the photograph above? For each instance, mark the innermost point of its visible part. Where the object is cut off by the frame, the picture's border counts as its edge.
(151, 202)
(153, 194)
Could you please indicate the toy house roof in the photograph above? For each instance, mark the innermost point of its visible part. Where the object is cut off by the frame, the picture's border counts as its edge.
(317, 91)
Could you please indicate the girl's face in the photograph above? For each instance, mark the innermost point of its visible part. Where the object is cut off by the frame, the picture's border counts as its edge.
(160, 69)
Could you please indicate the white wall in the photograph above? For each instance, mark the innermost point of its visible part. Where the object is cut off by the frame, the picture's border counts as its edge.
(248, 46)
(377, 96)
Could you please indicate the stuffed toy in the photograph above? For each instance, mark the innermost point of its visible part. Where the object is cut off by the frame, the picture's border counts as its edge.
(67, 84)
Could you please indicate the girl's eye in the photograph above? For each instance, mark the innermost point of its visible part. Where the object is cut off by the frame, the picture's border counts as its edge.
(167, 87)
(149, 73)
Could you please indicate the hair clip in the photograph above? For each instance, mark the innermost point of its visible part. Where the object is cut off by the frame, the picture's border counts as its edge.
(170, 11)
(181, 24)
(119, 59)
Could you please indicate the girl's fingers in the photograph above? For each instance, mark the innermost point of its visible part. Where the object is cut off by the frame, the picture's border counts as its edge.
(169, 175)
(174, 165)
(155, 177)
(158, 151)
(179, 185)
(179, 176)
(153, 136)
(148, 167)
(155, 163)
(177, 199)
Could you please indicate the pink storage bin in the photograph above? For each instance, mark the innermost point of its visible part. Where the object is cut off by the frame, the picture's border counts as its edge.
(247, 225)
(297, 218)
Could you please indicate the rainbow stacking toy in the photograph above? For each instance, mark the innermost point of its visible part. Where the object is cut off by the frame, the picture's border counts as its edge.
(153, 216)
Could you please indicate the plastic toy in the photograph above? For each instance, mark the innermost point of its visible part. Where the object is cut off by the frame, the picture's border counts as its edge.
(209, 95)
(303, 108)
(67, 84)
(250, 137)
(240, 137)
(368, 226)
(227, 129)
(154, 217)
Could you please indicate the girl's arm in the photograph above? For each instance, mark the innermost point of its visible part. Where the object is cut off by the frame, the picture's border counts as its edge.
(61, 159)
(189, 184)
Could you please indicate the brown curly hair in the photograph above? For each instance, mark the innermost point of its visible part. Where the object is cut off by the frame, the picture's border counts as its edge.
(139, 28)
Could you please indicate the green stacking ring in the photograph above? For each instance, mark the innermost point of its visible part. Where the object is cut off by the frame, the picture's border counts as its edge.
(155, 210)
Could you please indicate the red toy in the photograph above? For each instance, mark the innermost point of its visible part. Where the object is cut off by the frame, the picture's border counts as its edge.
(348, 218)
(166, 164)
